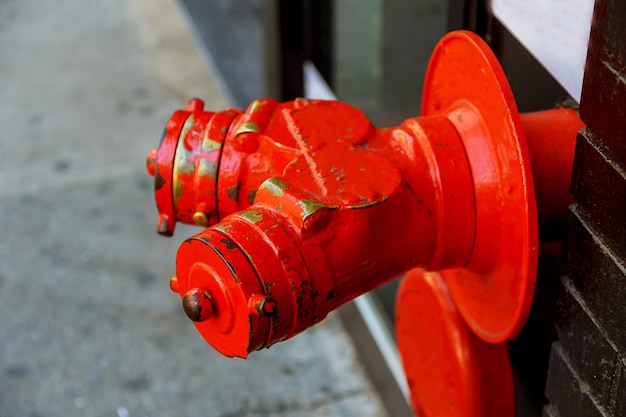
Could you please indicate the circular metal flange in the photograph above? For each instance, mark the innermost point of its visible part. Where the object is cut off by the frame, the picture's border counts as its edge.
(450, 371)
(201, 268)
(494, 290)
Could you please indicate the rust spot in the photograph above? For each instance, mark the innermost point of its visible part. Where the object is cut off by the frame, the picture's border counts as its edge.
(421, 202)
(367, 204)
(201, 239)
(197, 305)
(233, 192)
(159, 181)
(302, 292)
(251, 196)
(229, 243)
(268, 286)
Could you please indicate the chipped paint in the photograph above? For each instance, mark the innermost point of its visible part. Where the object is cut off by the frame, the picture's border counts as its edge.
(224, 228)
(275, 186)
(248, 127)
(251, 196)
(208, 169)
(159, 181)
(189, 124)
(268, 286)
(257, 105)
(253, 216)
(310, 207)
(210, 145)
(368, 203)
(233, 192)
(182, 165)
(229, 243)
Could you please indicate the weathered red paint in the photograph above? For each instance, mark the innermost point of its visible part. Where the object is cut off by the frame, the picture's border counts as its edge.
(199, 146)
(316, 206)
(185, 166)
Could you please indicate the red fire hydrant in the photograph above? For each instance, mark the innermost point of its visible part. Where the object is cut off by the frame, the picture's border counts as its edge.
(307, 205)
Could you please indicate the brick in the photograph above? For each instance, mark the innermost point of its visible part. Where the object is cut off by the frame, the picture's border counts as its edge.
(566, 392)
(598, 278)
(604, 86)
(620, 404)
(590, 354)
(599, 190)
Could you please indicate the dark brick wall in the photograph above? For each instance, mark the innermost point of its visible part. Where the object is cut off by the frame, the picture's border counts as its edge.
(587, 371)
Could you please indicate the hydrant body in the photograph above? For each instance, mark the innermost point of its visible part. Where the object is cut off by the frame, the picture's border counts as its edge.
(316, 206)
(307, 206)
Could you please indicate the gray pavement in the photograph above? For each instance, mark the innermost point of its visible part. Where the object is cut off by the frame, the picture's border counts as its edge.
(88, 326)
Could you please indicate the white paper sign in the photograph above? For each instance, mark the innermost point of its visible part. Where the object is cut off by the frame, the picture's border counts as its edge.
(555, 32)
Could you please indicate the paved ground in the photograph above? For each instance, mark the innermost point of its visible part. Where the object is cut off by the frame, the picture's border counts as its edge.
(88, 326)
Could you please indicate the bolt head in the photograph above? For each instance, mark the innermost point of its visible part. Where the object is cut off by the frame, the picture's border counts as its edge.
(197, 305)
(174, 284)
(163, 226)
(195, 105)
(262, 305)
(151, 161)
(200, 218)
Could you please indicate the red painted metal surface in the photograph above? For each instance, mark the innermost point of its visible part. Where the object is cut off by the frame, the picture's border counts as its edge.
(311, 206)
(198, 147)
(551, 143)
(450, 371)
(185, 166)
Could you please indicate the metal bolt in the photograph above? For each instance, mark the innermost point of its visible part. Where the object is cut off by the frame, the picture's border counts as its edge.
(262, 305)
(151, 161)
(197, 305)
(163, 227)
(195, 105)
(200, 217)
(174, 284)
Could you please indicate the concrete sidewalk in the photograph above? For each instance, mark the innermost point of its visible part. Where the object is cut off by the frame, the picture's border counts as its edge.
(88, 326)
